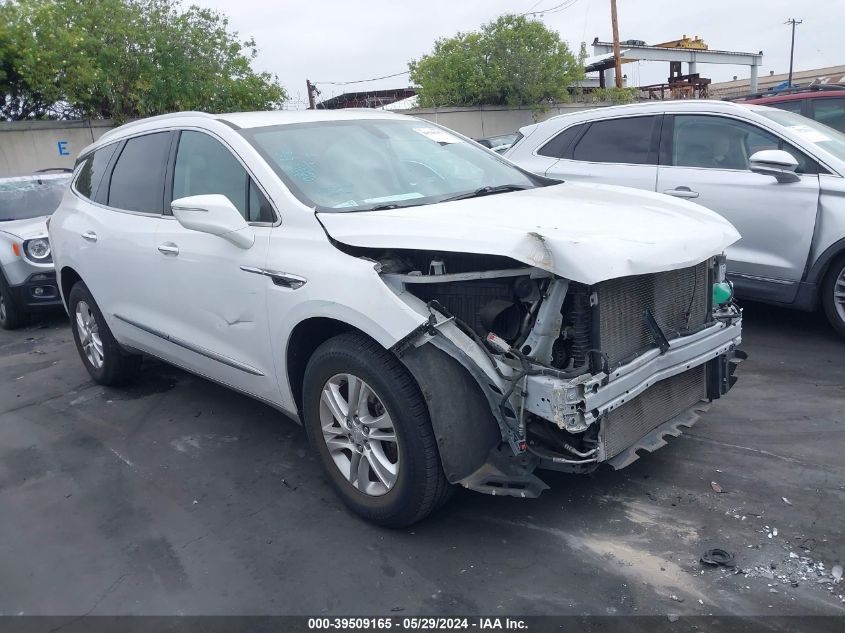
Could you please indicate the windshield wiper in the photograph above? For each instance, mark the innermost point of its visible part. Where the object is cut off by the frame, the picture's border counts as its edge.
(485, 191)
(391, 205)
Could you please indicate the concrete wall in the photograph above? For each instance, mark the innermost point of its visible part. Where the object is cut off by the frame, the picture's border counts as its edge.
(27, 146)
(481, 121)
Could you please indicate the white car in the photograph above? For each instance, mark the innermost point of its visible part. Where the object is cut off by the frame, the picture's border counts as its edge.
(778, 177)
(27, 276)
(431, 313)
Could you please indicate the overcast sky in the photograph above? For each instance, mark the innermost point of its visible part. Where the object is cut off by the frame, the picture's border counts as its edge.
(345, 40)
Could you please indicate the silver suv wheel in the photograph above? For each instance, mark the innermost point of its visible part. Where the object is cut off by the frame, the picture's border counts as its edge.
(839, 295)
(89, 334)
(359, 434)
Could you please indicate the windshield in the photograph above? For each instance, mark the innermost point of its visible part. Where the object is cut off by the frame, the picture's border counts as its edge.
(30, 196)
(809, 130)
(370, 164)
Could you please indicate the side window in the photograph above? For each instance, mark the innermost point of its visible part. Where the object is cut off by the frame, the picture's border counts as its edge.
(830, 112)
(627, 140)
(720, 143)
(793, 105)
(204, 165)
(559, 145)
(137, 181)
(91, 175)
(259, 209)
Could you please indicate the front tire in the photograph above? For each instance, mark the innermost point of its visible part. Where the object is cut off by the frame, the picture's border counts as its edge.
(11, 316)
(101, 354)
(833, 295)
(367, 420)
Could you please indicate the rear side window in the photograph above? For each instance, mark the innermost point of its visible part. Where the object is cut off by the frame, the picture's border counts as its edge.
(790, 106)
(91, 175)
(627, 140)
(830, 112)
(205, 166)
(137, 182)
(559, 145)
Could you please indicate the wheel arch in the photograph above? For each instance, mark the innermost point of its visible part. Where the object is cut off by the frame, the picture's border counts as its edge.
(464, 427)
(67, 278)
(819, 268)
(304, 339)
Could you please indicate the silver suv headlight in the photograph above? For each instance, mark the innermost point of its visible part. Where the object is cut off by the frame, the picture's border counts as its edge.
(38, 250)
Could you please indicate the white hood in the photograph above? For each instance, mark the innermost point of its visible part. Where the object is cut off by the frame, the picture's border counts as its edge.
(583, 232)
(26, 229)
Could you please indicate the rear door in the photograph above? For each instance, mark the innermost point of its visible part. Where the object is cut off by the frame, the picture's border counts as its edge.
(618, 151)
(216, 308)
(705, 158)
(121, 198)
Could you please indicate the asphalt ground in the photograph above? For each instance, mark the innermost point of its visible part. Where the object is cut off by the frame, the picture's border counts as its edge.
(178, 496)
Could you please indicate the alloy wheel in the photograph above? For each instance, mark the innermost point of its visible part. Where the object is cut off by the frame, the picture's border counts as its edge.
(839, 295)
(89, 334)
(359, 434)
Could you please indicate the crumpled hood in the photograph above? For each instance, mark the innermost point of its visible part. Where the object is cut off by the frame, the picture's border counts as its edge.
(583, 232)
(26, 229)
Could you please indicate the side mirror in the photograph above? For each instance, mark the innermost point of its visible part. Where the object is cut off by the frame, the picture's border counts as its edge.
(214, 214)
(774, 162)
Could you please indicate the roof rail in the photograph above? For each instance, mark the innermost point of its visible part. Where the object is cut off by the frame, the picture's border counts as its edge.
(789, 91)
(172, 115)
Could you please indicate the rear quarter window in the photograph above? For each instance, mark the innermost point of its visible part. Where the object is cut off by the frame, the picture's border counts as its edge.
(90, 177)
(559, 145)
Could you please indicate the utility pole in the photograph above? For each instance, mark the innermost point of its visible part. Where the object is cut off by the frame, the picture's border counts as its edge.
(617, 58)
(794, 23)
(310, 88)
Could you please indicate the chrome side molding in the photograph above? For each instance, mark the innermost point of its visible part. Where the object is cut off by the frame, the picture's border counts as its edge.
(231, 362)
(283, 280)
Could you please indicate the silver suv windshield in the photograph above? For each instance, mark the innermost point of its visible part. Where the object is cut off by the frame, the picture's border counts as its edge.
(28, 197)
(809, 130)
(370, 164)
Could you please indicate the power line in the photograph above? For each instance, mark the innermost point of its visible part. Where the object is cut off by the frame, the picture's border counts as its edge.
(555, 9)
(359, 81)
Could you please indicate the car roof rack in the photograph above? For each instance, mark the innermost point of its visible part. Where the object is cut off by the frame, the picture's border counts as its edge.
(789, 91)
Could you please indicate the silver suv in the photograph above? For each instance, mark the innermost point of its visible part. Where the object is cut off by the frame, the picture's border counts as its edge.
(775, 175)
(27, 277)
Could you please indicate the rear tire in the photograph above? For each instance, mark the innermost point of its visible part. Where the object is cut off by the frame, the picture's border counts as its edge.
(833, 295)
(11, 316)
(106, 362)
(383, 460)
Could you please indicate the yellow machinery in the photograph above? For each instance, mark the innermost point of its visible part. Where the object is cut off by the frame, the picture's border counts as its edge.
(695, 43)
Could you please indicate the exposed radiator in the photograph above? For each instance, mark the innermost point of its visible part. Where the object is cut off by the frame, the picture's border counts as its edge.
(670, 296)
(659, 403)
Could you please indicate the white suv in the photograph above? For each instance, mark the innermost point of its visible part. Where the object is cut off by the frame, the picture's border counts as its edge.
(431, 313)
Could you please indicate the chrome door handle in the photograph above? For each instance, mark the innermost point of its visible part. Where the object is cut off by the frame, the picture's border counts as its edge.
(89, 236)
(681, 192)
(168, 248)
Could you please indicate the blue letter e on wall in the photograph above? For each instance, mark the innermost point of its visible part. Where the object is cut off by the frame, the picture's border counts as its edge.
(63, 148)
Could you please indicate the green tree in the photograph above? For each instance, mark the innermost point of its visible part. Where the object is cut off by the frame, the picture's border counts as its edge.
(123, 59)
(513, 60)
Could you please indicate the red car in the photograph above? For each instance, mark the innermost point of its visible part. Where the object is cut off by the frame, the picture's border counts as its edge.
(825, 103)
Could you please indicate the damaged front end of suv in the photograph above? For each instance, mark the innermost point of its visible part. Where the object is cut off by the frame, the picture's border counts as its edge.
(523, 369)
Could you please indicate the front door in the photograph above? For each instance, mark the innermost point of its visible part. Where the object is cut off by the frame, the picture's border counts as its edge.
(215, 307)
(704, 158)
